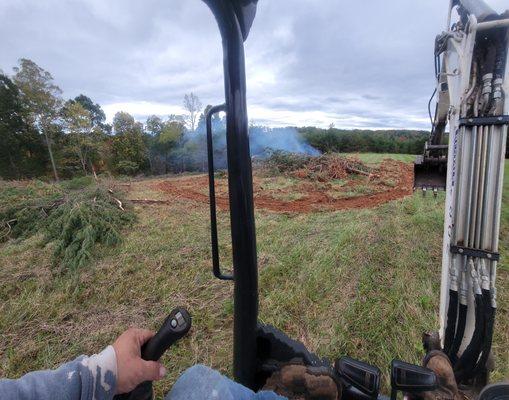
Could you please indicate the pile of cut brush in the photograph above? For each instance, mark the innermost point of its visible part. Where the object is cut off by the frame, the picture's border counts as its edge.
(322, 168)
(332, 166)
(72, 219)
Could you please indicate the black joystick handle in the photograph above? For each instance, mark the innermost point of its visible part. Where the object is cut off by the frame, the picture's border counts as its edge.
(174, 327)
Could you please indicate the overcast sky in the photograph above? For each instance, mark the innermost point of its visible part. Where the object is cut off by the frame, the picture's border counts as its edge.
(354, 63)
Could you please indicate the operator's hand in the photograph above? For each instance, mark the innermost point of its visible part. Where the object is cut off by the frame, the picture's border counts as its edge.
(131, 368)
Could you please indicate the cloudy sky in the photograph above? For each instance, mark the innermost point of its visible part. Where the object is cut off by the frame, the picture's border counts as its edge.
(354, 63)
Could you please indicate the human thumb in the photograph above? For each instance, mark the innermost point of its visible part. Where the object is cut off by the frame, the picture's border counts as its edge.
(152, 370)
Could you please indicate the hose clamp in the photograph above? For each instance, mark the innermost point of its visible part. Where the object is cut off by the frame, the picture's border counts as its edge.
(475, 278)
(485, 276)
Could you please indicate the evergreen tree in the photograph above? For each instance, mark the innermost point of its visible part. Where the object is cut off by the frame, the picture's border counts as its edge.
(21, 148)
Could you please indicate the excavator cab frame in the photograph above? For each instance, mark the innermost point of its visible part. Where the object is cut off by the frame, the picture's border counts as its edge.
(260, 350)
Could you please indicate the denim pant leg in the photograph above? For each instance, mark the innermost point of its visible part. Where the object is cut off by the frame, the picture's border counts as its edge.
(203, 383)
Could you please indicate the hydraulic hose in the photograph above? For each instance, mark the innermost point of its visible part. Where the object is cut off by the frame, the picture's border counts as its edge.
(460, 331)
(488, 336)
(473, 357)
(487, 343)
(472, 351)
(452, 313)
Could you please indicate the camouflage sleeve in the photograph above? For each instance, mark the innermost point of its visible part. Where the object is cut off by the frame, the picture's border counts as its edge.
(86, 378)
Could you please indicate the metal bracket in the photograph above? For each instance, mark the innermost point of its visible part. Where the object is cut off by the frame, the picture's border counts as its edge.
(480, 121)
(469, 252)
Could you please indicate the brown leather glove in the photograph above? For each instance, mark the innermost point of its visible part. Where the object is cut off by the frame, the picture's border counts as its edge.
(298, 382)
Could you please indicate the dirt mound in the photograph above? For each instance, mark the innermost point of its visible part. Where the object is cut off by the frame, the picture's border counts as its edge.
(391, 181)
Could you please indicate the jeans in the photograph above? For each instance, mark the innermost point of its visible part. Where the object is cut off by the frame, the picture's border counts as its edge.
(202, 383)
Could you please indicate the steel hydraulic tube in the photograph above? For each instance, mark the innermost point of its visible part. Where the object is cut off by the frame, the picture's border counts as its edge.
(499, 23)
(457, 307)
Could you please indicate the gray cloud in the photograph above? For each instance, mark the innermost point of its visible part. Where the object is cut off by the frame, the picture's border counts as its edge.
(355, 63)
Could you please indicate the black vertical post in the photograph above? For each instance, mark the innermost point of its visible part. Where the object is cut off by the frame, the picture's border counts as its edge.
(240, 191)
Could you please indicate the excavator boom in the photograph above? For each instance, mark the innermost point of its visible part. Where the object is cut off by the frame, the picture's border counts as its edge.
(430, 168)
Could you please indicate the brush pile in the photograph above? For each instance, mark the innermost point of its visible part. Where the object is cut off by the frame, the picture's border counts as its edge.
(330, 167)
(73, 220)
(322, 168)
(279, 162)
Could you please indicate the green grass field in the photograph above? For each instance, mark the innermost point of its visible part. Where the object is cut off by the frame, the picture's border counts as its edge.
(363, 283)
(377, 158)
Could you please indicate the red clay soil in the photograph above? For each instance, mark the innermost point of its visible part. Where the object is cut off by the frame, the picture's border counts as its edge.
(401, 174)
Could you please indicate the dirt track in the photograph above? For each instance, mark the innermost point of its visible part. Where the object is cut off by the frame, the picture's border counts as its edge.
(192, 188)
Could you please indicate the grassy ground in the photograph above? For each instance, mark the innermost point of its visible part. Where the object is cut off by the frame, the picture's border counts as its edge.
(377, 158)
(363, 283)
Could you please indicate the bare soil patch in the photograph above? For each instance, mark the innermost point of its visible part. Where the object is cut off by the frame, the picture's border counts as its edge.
(390, 181)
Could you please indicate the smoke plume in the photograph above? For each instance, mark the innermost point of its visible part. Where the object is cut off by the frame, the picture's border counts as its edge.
(191, 153)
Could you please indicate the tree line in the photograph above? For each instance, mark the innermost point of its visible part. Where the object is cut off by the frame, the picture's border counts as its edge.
(41, 134)
(44, 135)
(365, 141)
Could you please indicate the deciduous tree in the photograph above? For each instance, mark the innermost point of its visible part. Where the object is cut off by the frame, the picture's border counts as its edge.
(128, 149)
(80, 130)
(123, 123)
(193, 106)
(43, 100)
(96, 113)
(154, 125)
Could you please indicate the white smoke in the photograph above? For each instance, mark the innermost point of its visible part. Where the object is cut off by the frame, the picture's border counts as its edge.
(288, 139)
